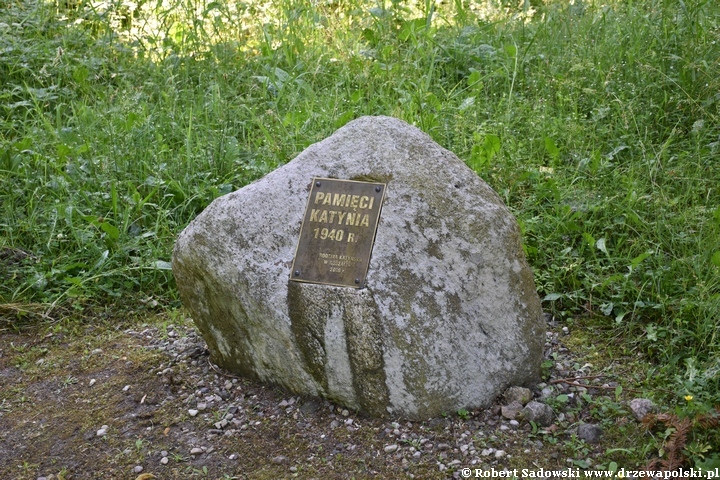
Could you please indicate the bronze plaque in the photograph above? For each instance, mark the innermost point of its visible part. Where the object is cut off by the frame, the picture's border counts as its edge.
(338, 232)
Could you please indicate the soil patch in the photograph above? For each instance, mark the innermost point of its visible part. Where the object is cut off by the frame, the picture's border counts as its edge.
(122, 400)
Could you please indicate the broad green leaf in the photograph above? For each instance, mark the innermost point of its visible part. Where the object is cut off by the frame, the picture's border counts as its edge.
(281, 75)
(477, 159)
(551, 148)
(370, 36)
(467, 103)
(651, 332)
(80, 74)
(344, 118)
(112, 232)
(211, 6)
(27, 143)
(709, 464)
(552, 297)
(491, 145)
(600, 244)
(484, 149)
(63, 151)
(638, 260)
(43, 94)
(411, 27)
(617, 150)
(511, 50)
(474, 78)
(88, 218)
(131, 120)
(433, 100)
(715, 259)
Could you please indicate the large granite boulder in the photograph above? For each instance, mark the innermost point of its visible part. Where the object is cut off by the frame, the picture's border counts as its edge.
(449, 316)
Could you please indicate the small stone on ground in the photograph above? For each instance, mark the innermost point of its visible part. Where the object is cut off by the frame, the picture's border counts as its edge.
(589, 432)
(521, 395)
(512, 410)
(539, 413)
(640, 407)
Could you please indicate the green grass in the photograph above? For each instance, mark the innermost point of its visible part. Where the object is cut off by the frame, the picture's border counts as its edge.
(597, 124)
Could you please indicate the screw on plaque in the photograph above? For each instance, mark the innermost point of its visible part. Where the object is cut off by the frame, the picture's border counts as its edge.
(357, 280)
(317, 184)
(297, 273)
(378, 188)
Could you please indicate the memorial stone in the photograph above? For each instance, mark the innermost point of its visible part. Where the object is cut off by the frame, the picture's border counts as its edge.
(441, 314)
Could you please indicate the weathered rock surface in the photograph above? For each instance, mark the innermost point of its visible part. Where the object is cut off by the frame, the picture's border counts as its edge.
(520, 395)
(589, 432)
(511, 410)
(640, 407)
(449, 317)
(539, 413)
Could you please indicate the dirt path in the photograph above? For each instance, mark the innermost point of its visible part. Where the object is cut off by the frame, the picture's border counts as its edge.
(123, 400)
